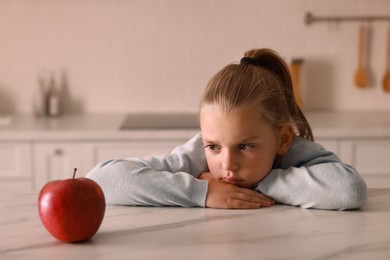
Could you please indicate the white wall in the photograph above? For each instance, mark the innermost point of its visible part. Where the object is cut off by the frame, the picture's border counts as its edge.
(157, 55)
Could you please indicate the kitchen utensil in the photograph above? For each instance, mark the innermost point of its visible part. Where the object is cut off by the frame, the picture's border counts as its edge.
(386, 78)
(39, 98)
(361, 75)
(295, 70)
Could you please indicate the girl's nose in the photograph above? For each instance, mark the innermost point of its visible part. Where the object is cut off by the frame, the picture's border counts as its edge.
(229, 162)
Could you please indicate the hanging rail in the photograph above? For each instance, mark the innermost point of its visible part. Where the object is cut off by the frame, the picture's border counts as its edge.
(310, 18)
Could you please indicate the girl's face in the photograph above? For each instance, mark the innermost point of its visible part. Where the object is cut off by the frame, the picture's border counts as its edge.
(240, 146)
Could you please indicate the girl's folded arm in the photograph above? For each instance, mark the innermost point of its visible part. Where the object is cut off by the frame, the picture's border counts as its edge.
(322, 186)
(311, 177)
(133, 182)
(164, 180)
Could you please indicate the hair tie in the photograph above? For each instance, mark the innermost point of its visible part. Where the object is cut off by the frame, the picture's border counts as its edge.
(249, 61)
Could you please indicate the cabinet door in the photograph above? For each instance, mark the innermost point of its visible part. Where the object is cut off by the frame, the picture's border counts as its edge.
(54, 161)
(371, 158)
(103, 151)
(15, 167)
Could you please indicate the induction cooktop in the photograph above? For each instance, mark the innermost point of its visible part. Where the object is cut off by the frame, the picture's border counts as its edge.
(160, 121)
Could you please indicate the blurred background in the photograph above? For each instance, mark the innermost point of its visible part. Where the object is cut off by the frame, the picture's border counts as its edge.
(129, 56)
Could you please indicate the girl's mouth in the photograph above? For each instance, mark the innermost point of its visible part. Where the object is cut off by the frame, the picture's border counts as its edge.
(231, 180)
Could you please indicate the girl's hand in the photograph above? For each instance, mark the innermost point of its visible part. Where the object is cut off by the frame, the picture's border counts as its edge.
(229, 196)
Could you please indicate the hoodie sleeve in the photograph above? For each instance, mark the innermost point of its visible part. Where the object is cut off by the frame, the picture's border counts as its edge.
(165, 180)
(311, 177)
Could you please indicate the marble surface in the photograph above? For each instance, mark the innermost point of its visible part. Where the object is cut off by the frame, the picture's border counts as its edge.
(278, 232)
(108, 126)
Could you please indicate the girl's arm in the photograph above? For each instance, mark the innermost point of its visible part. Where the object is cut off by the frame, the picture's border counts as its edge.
(171, 180)
(164, 180)
(311, 177)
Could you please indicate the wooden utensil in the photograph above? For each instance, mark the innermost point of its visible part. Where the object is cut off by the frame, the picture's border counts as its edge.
(386, 78)
(361, 75)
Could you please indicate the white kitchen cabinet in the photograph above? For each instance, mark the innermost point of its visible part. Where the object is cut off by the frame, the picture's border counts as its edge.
(15, 166)
(36, 150)
(101, 151)
(56, 160)
(53, 161)
(371, 157)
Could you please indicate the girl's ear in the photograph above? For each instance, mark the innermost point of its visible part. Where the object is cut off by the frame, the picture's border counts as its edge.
(286, 136)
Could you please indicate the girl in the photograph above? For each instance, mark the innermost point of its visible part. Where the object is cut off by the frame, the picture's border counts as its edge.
(255, 148)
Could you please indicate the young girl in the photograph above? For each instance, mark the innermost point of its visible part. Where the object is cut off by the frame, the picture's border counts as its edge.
(255, 148)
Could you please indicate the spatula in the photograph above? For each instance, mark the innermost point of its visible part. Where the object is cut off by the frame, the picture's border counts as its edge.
(386, 78)
(361, 75)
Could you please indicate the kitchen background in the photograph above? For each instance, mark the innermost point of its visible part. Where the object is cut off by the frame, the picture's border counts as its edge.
(118, 56)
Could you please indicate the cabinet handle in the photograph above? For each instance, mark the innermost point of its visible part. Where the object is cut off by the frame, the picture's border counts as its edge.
(58, 152)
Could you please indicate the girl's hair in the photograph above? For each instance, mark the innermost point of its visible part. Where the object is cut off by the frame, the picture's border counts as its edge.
(264, 83)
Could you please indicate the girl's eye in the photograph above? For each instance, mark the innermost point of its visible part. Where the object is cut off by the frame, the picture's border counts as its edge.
(212, 147)
(245, 147)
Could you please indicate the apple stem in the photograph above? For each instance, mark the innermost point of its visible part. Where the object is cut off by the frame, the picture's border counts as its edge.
(74, 172)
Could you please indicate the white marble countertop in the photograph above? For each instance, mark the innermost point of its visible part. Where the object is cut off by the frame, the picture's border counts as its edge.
(107, 126)
(278, 232)
(81, 127)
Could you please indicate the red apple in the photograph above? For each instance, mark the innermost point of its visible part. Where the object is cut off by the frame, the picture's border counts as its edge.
(72, 209)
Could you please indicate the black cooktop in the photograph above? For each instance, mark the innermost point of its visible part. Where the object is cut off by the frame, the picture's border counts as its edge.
(160, 121)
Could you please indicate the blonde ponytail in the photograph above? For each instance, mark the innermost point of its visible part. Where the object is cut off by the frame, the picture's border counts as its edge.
(269, 59)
